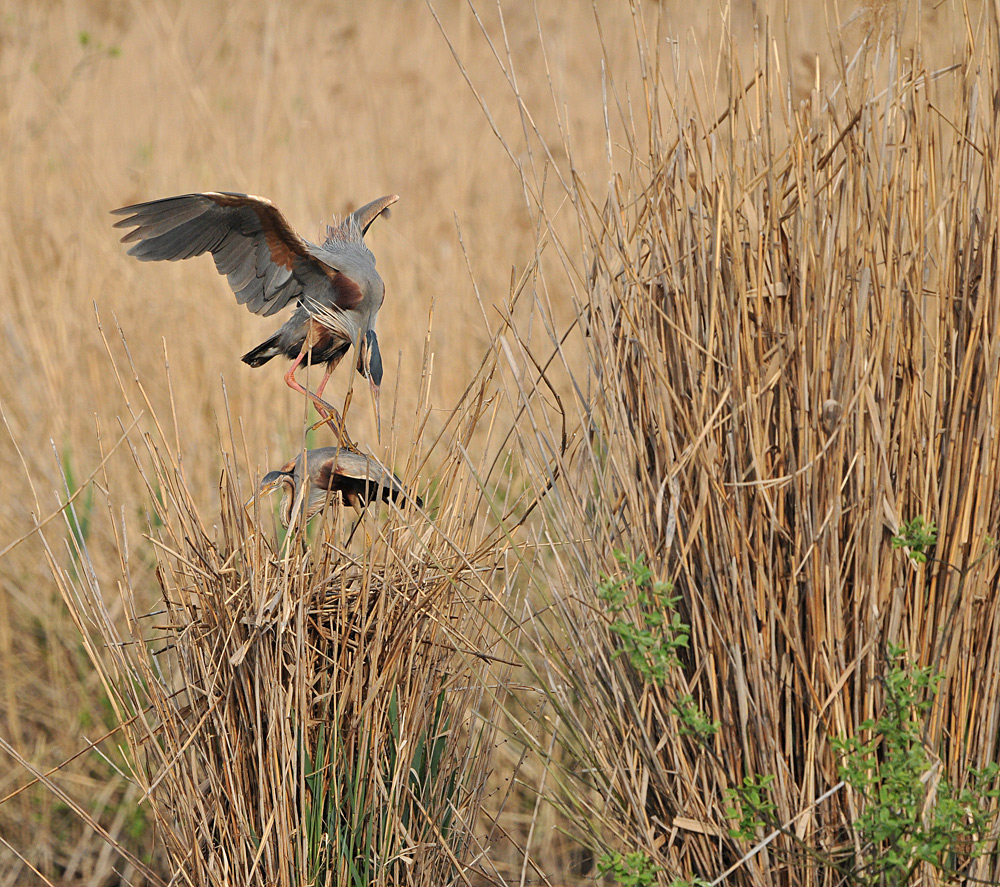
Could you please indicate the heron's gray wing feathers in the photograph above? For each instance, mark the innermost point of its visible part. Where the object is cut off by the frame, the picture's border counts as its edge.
(352, 473)
(358, 478)
(267, 264)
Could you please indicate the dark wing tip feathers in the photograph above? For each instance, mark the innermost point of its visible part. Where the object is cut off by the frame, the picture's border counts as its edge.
(160, 201)
(267, 263)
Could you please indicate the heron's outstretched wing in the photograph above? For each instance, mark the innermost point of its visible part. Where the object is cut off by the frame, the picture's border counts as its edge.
(267, 263)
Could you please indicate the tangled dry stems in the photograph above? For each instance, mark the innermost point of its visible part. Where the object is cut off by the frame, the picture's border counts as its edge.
(790, 328)
(312, 709)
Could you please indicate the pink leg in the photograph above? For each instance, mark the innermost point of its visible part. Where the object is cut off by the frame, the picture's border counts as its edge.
(293, 383)
(330, 367)
(330, 415)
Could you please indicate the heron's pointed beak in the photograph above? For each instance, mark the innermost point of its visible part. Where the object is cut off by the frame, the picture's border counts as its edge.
(378, 413)
(374, 373)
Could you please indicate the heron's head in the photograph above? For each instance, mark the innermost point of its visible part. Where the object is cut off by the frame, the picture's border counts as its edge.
(281, 478)
(274, 479)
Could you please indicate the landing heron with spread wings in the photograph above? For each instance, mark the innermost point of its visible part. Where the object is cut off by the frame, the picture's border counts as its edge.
(335, 287)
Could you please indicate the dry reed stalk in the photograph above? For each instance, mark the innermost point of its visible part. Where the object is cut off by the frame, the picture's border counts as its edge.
(791, 345)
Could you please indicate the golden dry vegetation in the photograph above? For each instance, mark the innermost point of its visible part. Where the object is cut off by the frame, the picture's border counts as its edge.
(709, 287)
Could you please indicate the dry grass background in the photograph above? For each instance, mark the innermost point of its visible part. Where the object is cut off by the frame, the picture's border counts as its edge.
(322, 108)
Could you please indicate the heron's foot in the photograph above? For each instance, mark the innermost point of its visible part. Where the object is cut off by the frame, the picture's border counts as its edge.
(332, 418)
(322, 407)
(336, 425)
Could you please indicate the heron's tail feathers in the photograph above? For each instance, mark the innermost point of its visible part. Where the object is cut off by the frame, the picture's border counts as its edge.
(263, 352)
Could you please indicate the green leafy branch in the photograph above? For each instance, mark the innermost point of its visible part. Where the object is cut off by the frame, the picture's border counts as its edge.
(751, 806)
(911, 815)
(650, 631)
(918, 536)
(628, 869)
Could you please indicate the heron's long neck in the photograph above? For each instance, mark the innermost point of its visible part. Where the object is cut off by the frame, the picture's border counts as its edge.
(287, 500)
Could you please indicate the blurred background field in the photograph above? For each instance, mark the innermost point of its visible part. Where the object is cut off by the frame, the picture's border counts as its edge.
(322, 107)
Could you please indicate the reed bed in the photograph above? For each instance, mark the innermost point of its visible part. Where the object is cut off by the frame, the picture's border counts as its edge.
(311, 707)
(660, 553)
(788, 317)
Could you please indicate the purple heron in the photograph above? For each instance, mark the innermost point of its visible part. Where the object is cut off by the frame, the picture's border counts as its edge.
(358, 478)
(335, 288)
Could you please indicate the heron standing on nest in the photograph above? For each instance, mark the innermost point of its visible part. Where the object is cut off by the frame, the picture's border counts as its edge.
(358, 478)
(335, 287)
